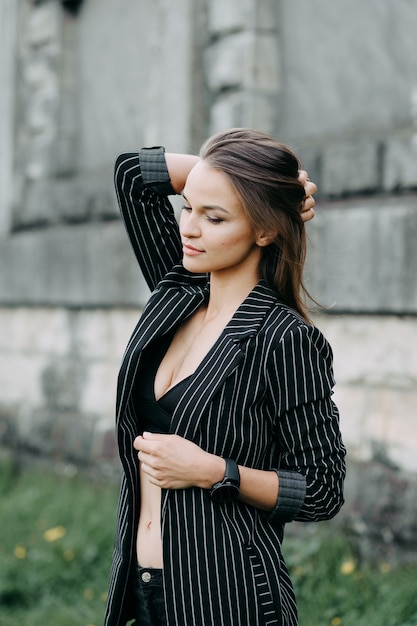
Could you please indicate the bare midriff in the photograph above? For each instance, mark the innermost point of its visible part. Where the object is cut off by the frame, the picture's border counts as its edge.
(190, 344)
(148, 541)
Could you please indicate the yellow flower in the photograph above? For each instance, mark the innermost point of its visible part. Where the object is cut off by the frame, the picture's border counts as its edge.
(20, 552)
(348, 567)
(53, 534)
(336, 621)
(385, 568)
(88, 594)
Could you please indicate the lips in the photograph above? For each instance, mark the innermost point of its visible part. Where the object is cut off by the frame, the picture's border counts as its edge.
(190, 251)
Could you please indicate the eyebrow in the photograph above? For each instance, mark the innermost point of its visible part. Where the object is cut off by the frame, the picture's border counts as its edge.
(209, 207)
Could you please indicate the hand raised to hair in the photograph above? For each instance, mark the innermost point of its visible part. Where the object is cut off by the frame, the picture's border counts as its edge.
(307, 209)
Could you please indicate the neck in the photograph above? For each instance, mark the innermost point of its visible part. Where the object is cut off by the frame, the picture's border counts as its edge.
(226, 295)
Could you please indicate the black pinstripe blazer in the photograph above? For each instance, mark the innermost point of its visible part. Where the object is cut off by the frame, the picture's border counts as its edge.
(262, 396)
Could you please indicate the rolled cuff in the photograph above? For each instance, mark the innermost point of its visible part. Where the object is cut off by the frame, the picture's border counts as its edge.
(154, 170)
(291, 495)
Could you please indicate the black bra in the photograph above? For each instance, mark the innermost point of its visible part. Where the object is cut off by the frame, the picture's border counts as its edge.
(155, 415)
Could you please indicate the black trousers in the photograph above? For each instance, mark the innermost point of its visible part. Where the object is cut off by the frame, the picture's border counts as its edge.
(149, 593)
(150, 601)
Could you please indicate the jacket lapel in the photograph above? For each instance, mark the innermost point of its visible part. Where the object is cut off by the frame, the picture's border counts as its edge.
(222, 360)
(164, 310)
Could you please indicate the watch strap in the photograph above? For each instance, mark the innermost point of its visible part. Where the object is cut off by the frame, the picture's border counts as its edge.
(228, 488)
(232, 473)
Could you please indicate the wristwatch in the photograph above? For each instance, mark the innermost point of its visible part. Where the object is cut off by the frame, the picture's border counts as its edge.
(228, 488)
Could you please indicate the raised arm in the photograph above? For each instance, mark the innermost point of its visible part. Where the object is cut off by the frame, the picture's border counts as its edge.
(179, 166)
(143, 183)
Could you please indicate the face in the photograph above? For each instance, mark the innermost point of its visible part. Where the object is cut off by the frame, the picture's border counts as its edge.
(217, 236)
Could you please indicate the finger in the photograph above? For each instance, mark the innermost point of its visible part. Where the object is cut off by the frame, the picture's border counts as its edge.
(138, 442)
(147, 469)
(309, 203)
(147, 462)
(142, 445)
(302, 176)
(158, 436)
(308, 215)
(310, 188)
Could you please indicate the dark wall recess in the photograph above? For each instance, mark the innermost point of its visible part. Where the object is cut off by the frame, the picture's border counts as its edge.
(71, 6)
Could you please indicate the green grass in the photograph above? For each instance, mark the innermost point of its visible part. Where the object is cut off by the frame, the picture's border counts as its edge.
(56, 539)
(334, 589)
(56, 542)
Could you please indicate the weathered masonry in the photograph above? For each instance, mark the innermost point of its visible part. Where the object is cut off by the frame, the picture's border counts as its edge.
(83, 81)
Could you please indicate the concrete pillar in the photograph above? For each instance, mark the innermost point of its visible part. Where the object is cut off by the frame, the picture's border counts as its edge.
(243, 66)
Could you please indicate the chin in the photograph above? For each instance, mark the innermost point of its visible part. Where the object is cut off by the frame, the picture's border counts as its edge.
(194, 268)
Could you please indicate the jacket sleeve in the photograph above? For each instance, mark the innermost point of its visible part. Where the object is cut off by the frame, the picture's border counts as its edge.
(142, 187)
(312, 455)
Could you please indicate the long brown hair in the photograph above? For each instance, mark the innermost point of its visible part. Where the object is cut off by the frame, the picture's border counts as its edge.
(264, 174)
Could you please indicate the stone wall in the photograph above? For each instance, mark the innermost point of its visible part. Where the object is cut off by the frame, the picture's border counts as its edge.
(337, 81)
(58, 385)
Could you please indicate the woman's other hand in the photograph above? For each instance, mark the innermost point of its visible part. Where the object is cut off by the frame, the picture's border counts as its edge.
(307, 209)
(172, 462)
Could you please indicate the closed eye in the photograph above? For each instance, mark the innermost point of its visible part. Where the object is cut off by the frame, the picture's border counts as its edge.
(212, 220)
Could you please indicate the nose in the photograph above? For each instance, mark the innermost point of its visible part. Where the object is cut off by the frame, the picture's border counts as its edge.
(189, 224)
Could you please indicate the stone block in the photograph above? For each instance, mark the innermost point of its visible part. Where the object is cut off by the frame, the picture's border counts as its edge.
(376, 422)
(58, 373)
(236, 15)
(378, 349)
(227, 62)
(84, 198)
(39, 74)
(20, 386)
(63, 381)
(244, 60)
(66, 200)
(262, 111)
(65, 156)
(362, 255)
(376, 386)
(350, 167)
(310, 158)
(244, 108)
(39, 330)
(265, 71)
(78, 265)
(35, 207)
(38, 157)
(229, 16)
(400, 163)
(44, 23)
(227, 111)
(102, 334)
(99, 395)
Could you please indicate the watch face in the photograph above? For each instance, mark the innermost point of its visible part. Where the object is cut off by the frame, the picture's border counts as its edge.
(225, 493)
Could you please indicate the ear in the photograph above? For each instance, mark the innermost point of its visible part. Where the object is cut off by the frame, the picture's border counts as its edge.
(264, 239)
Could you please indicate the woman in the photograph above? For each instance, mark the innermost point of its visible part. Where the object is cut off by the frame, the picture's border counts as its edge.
(225, 422)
